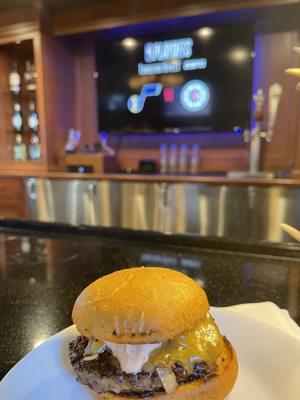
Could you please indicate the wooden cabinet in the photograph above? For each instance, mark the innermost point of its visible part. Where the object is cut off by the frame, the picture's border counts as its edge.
(12, 199)
(51, 96)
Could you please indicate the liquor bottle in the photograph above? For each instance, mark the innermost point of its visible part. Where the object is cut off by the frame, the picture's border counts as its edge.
(195, 156)
(19, 148)
(34, 149)
(17, 119)
(163, 149)
(173, 158)
(30, 76)
(14, 79)
(183, 158)
(33, 121)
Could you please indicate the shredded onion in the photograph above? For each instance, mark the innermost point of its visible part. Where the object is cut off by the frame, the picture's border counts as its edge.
(89, 349)
(92, 350)
(91, 357)
(168, 379)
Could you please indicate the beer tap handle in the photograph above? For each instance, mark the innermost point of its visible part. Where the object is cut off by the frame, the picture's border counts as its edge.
(275, 92)
(259, 100)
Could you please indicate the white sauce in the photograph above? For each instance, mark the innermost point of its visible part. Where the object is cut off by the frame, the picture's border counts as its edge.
(132, 356)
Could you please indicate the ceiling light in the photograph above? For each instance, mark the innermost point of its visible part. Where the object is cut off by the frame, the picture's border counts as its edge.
(129, 42)
(239, 55)
(205, 32)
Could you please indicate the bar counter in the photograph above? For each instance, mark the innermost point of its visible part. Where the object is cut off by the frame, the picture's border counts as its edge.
(45, 266)
(218, 179)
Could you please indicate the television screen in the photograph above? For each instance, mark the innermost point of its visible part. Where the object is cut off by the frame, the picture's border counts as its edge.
(190, 81)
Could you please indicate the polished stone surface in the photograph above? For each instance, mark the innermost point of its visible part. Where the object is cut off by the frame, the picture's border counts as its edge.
(42, 273)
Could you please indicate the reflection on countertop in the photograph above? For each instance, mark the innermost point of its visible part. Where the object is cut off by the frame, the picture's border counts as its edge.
(43, 271)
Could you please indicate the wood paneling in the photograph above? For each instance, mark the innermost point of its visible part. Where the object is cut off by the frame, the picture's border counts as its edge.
(57, 95)
(125, 12)
(11, 208)
(273, 55)
(12, 203)
(19, 22)
(211, 160)
(85, 117)
(10, 187)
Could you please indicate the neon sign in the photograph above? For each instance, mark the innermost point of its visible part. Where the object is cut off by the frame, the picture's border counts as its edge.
(165, 67)
(165, 57)
(136, 102)
(194, 95)
(168, 49)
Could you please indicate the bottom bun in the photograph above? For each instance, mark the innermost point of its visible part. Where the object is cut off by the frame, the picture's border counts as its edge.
(215, 387)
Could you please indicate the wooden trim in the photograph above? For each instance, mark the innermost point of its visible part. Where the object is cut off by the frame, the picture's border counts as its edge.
(40, 98)
(19, 22)
(122, 13)
(15, 37)
(16, 167)
(295, 173)
(216, 180)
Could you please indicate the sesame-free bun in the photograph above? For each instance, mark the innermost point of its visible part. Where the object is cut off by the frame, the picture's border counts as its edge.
(215, 387)
(139, 305)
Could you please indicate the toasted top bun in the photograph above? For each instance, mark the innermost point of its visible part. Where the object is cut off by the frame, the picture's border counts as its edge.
(213, 387)
(139, 305)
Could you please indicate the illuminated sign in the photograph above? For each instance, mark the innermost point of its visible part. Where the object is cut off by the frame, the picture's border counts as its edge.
(167, 57)
(194, 95)
(165, 67)
(194, 63)
(168, 95)
(136, 102)
(168, 49)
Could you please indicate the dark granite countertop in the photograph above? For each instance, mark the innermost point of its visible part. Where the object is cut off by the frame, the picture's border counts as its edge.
(44, 267)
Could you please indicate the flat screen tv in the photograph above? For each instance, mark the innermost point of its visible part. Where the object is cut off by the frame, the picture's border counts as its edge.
(188, 81)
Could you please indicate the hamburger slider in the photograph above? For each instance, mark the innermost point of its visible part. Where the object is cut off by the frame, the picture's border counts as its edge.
(147, 332)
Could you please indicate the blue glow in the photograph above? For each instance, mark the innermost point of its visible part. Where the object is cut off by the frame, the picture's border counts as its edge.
(165, 67)
(238, 130)
(168, 49)
(194, 95)
(136, 102)
(194, 63)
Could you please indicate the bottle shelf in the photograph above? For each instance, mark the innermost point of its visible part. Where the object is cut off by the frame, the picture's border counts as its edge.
(23, 95)
(25, 132)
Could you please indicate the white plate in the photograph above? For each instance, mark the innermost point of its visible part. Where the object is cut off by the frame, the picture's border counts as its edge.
(268, 361)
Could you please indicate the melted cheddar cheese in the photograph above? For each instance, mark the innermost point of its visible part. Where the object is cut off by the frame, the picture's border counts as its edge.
(203, 343)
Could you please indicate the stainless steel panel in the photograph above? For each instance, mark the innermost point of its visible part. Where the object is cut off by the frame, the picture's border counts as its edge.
(206, 209)
(103, 204)
(244, 212)
(140, 205)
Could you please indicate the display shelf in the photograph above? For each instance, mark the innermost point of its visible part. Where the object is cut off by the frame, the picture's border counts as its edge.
(22, 95)
(13, 57)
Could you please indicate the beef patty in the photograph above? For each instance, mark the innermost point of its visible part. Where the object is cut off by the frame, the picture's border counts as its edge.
(104, 373)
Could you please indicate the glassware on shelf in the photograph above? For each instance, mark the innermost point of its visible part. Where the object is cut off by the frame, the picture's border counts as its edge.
(33, 121)
(183, 159)
(163, 149)
(173, 159)
(14, 79)
(30, 76)
(195, 158)
(34, 149)
(17, 119)
(19, 149)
